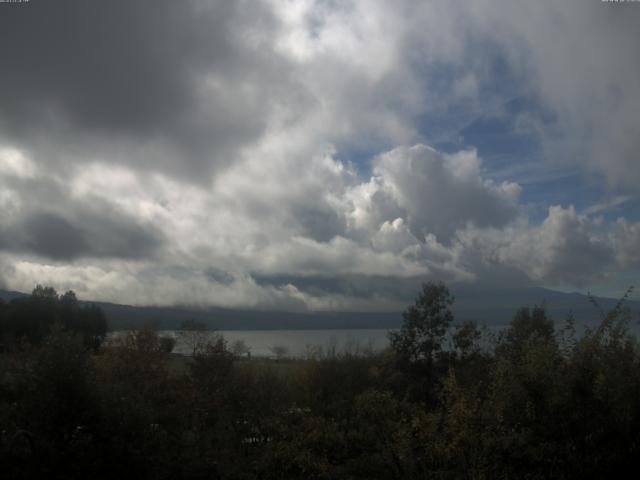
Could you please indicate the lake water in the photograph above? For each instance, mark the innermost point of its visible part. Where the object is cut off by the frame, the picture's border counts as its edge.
(297, 343)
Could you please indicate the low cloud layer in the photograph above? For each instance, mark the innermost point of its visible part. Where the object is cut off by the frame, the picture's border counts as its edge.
(304, 155)
(376, 239)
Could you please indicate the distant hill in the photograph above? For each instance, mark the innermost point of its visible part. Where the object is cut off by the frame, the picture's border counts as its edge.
(491, 307)
(8, 296)
(497, 306)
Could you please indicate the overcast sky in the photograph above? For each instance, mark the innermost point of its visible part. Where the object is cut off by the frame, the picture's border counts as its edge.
(314, 155)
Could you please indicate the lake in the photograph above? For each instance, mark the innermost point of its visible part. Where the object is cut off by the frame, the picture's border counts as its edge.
(297, 343)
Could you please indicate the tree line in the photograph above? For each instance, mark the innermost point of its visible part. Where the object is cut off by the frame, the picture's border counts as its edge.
(443, 401)
(31, 319)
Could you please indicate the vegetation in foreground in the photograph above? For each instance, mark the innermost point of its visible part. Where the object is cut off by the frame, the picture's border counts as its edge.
(539, 402)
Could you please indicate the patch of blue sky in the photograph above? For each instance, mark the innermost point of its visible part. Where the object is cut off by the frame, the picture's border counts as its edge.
(447, 114)
(501, 122)
(488, 120)
(506, 139)
(511, 153)
(360, 155)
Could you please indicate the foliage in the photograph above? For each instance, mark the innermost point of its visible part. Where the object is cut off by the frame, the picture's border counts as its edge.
(442, 402)
(425, 325)
(33, 318)
(279, 351)
(167, 344)
(193, 334)
(240, 348)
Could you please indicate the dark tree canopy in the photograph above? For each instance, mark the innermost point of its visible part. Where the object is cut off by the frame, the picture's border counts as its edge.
(33, 318)
(528, 324)
(425, 324)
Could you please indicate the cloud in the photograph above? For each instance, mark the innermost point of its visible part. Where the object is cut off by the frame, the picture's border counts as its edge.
(92, 235)
(595, 100)
(572, 58)
(162, 85)
(276, 154)
(625, 237)
(334, 240)
(42, 217)
(566, 248)
(442, 193)
(48, 235)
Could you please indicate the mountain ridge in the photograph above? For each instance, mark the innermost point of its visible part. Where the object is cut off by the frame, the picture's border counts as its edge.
(491, 307)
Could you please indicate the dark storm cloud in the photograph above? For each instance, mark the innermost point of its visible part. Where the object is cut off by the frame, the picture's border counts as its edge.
(89, 73)
(102, 65)
(51, 236)
(52, 223)
(89, 235)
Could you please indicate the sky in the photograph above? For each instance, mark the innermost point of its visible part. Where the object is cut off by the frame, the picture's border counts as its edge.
(310, 155)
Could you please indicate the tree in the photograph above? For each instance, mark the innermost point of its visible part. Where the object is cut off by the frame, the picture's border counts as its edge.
(44, 293)
(527, 325)
(167, 344)
(466, 339)
(279, 351)
(94, 325)
(88, 320)
(425, 325)
(240, 348)
(194, 335)
(32, 318)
